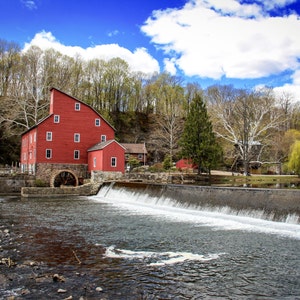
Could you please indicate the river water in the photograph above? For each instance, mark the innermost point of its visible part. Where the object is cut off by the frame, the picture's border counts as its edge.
(135, 248)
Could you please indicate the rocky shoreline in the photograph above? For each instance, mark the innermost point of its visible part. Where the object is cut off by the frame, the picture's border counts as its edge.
(24, 275)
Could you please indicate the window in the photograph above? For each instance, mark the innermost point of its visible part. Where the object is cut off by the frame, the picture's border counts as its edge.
(103, 138)
(97, 122)
(76, 137)
(56, 118)
(48, 136)
(34, 137)
(140, 156)
(113, 161)
(95, 162)
(77, 106)
(48, 153)
(76, 154)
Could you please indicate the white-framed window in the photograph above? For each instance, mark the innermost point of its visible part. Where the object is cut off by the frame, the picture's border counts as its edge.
(95, 162)
(140, 156)
(48, 153)
(49, 136)
(76, 154)
(97, 122)
(77, 106)
(103, 138)
(113, 161)
(76, 137)
(56, 118)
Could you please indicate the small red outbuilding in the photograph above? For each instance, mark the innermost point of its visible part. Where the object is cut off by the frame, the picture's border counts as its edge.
(185, 164)
(106, 156)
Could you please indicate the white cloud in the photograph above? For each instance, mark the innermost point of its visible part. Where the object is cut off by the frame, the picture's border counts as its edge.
(170, 66)
(291, 89)
(213, 38)
(138, 60)
(30, 4)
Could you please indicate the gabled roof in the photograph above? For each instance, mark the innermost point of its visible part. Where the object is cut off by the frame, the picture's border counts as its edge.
(42, 120)
(36, 125)
(102, 145)
(53, 88)
(135, 148)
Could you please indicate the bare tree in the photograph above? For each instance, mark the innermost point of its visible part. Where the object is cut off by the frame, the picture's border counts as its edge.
(245, 119)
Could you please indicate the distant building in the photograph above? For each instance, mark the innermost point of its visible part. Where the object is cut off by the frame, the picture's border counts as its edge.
(137, 151)
(58, 148)
(185, 164)
(107, 156)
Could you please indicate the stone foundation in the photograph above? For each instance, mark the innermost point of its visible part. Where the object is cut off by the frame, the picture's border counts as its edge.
(45, 172)
(101, 176)
(88, 189)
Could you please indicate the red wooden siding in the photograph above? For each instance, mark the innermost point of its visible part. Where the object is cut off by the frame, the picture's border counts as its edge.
(103, 157)
(70, 122)
(184, 164)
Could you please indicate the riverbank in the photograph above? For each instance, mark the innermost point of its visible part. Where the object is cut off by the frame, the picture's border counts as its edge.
(27, 272)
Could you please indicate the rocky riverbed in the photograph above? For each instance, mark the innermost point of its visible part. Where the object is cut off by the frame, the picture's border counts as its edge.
(29, 273)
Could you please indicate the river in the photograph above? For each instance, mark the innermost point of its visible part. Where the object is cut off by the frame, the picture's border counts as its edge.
(126, 246)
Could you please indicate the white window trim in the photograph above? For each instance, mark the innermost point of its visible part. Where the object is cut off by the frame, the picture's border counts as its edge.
(56, 118)
(49, 136)
(111, 162)
(50, 151)
(78, 152)
(75, 139)
(77, 106)
(103, 138)
(95, 162)
(97, 121)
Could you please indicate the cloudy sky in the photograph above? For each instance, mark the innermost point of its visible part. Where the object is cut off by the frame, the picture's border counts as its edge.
(244, 43)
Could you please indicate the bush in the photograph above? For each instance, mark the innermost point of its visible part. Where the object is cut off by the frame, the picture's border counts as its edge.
(158, 167)
(40, 183)
(167, 163)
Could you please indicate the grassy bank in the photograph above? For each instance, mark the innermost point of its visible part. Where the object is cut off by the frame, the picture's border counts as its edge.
(256, 179)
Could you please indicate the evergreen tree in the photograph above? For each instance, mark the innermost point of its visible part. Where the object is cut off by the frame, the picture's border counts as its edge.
(198, 140)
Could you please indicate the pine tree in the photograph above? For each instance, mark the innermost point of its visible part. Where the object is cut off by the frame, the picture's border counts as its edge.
(198, 140)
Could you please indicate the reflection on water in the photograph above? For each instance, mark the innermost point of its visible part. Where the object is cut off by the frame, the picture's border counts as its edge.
(134, 252)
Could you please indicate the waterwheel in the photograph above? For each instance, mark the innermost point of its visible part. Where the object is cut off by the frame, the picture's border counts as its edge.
(65, 178)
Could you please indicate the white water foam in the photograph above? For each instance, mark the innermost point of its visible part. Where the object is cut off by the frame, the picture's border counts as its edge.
(219, 218)
(158, 258)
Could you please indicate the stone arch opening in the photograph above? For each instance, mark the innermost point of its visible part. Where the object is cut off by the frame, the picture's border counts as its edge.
(65, 178)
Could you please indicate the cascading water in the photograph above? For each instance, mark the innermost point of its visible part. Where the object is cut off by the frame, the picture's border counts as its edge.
(150, 242)
(153, 201)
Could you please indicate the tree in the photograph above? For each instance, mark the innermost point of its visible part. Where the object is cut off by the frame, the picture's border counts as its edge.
(294, 160)
(247, 120)
(198, 140)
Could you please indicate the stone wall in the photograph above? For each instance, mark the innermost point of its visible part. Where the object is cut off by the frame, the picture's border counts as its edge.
(100, 176)
(64, 191)
(45, 172)
(13, 183)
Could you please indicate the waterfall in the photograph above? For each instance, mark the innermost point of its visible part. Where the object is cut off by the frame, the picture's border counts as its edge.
(180, 204)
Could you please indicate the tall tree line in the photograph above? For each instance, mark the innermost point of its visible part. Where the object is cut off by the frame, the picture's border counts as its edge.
(154, 106)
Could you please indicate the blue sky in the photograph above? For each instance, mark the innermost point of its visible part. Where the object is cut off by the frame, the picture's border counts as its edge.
(240, 42)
